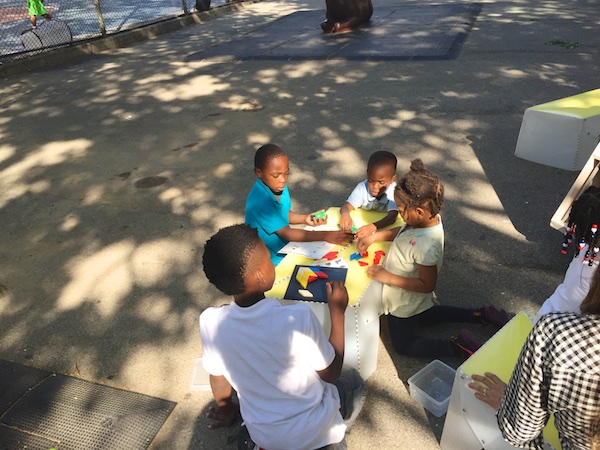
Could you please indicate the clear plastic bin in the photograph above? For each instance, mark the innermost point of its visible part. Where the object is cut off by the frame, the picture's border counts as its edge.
(432, 385)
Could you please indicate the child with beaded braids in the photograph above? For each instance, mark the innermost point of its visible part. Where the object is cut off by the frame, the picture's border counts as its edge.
(583, 229)
(410, 270)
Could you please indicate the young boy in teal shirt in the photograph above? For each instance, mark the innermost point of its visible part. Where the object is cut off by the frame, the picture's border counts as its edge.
(269, 207)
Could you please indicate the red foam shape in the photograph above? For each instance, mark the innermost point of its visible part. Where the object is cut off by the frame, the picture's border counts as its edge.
(321, 274)
(362, 263)
(311, 279)
(380, 252)
(331, 255)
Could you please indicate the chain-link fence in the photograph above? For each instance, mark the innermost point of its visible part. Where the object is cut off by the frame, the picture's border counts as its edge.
(80, 20)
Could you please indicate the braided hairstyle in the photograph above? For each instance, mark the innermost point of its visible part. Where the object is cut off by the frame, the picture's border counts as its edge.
(584, 219)
(227, 255)
(420, 187)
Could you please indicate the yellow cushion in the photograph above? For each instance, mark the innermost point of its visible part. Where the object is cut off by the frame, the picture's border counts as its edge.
(581, 105)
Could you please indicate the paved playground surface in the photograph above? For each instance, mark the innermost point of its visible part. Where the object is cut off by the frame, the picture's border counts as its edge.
(401, 32)
(115, 169)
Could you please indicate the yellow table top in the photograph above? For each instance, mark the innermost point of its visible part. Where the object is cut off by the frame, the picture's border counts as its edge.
(582, 105)
(356, 278)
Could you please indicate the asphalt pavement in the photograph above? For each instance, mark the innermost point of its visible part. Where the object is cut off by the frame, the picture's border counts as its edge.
(115, 168)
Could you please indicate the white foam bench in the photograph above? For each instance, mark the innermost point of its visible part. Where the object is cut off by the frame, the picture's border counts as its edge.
(561, 133)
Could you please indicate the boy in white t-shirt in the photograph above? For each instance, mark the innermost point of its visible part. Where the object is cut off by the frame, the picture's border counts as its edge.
(292, 391)
(375, 193)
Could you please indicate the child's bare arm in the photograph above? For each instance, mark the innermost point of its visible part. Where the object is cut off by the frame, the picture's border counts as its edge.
(299, 235)
(337, 300)
(425, 283)
(389, 219)
(346, 222)
(227, 411)
(371, 228)
(296, 218)
(381, 236)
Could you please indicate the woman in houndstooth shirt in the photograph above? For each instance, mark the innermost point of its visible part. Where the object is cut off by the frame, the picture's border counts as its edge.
(558, 372)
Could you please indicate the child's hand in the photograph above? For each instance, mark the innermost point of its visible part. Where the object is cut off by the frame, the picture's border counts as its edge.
(337, 295)
(223, 417)
(339, 237)
(346, 222)
(317, 218)
(366, 230)
(363, 244)
(378, 273)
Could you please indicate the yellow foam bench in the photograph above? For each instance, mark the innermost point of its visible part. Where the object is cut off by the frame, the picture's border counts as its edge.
(561, 133)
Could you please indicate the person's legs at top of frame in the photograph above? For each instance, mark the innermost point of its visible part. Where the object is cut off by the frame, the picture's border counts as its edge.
(346, 15)
(35, 9)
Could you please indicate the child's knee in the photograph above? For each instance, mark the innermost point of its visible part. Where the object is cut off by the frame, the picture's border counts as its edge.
(352, 378)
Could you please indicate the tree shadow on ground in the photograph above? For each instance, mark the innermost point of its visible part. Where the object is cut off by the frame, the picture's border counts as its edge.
(116, 169)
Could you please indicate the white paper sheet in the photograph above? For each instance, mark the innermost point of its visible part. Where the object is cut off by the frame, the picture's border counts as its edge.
(314, 250)
(338, 262)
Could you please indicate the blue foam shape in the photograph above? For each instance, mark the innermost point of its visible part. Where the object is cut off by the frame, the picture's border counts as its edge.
(355, 256)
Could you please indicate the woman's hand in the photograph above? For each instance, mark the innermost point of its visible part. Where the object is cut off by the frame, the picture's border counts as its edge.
(489, 389)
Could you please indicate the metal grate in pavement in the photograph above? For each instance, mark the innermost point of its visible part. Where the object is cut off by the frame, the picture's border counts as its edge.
(84, 415)
(16, 380)
(13, 439)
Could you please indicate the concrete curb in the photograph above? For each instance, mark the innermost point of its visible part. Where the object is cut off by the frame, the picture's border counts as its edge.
(61, 55)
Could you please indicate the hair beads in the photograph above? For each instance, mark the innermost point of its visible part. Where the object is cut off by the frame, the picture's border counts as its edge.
(569, 232)
(580, 247)
(583, 222)
(586, 258)
(593, 242)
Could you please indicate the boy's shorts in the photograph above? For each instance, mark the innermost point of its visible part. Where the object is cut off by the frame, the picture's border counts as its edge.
(353, 392)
